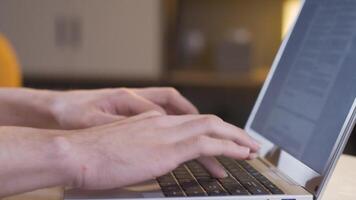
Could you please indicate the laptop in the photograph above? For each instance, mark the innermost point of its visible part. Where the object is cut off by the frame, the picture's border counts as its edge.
(303, 117)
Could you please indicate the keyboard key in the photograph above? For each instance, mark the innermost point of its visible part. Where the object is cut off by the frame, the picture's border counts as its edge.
(181, 171)
(232, 186)
(173, 193)
(186, 184)
(195, 191)
(213, 188)
(183, 176)
(276, 191)
(237, 190)
(190, 186)
(217, 193)
(227, 180)
(254, 187)
(247, 173)
(242, 177)
(211, 185)
(192, 179)
(172, 190)
(262, 179)
(167, 180)
(169, 186)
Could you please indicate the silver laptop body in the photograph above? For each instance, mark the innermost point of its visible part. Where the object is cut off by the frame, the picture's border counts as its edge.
(303, 115)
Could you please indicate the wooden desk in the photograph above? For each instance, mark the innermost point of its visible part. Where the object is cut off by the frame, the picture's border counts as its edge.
(343, 182)
(341, 186)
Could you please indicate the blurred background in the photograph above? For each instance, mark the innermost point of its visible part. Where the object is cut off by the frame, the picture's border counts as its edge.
(217, 53)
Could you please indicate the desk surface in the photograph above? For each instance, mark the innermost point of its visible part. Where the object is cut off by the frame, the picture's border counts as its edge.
(341, 186)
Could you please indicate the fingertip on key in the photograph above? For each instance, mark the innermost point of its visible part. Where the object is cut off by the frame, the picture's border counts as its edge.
(256, 144)
(252, 156)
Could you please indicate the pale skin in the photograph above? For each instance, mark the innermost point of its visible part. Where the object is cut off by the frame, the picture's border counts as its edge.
(109, 138)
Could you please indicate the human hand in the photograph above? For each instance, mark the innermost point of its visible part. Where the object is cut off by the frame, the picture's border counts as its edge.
(88, 108)
(149, 145)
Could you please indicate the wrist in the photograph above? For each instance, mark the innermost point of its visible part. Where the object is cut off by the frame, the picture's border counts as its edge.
(47, 100)
(43, 104)
(32, 108)
(35, 159)
(67, 159)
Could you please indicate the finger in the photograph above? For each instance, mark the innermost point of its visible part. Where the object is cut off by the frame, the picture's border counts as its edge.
(100, 118)
(133, 104)
(175, 120)
(170, 99)
(213, 166)
(205, 146)
(136, 118)
(252, 156)
(211, 126)
(142, 116)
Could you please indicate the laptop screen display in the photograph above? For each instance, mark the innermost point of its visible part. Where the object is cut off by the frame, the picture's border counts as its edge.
(314, 84)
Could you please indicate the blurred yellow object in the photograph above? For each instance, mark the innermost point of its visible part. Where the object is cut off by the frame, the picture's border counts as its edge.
(10, 74)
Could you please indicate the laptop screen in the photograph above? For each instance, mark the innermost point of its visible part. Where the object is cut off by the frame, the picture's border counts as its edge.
(314, 84)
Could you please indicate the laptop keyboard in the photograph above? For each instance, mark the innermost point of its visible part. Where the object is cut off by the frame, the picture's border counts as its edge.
(192, 179)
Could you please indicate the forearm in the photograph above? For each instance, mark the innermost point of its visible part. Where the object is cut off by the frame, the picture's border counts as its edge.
(31, 159)
(26, 107)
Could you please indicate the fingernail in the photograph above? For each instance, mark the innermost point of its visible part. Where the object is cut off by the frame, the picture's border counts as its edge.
(221, 174)
(255, 143)
(246, 150)
(253, 156)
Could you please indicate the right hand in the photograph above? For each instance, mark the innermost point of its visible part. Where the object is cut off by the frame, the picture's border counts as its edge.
(150, 145)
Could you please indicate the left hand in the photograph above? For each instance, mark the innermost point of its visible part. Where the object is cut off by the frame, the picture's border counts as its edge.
(88, 108)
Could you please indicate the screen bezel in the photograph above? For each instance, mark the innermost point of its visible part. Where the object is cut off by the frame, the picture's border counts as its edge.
(302, 174)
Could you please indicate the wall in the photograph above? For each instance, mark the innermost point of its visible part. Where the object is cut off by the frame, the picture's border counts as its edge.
(94, 39)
